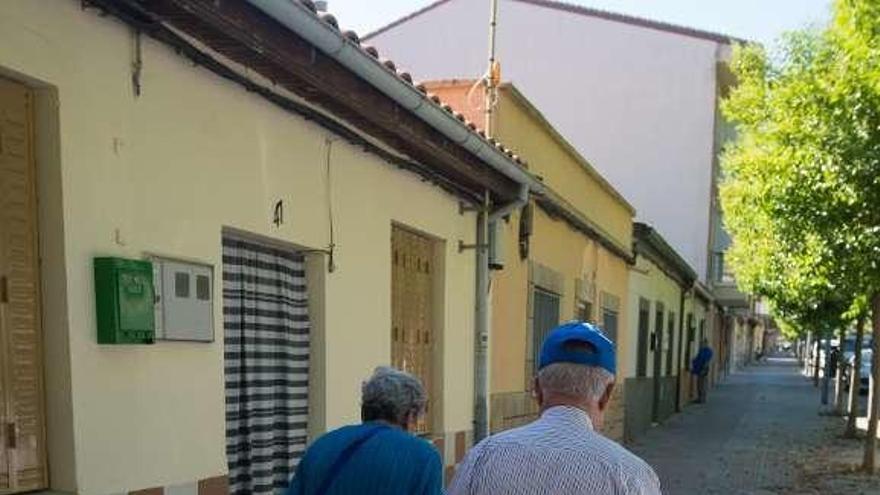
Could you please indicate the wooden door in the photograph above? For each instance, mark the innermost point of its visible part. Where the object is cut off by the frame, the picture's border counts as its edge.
(412, 288)
(22, 407)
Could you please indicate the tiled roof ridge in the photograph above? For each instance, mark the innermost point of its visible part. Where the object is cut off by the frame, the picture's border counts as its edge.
(589, 11)
(406, 77)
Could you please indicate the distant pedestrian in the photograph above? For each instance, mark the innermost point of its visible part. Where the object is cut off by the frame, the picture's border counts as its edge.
(378, 456)
(562, 452)
(700, 369)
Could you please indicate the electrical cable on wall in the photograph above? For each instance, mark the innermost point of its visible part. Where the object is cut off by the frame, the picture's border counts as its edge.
(331, 263)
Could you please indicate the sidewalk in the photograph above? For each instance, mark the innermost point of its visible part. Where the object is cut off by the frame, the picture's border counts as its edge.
(758, 434)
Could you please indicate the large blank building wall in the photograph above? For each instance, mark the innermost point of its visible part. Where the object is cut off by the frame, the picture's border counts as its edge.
(637, 102)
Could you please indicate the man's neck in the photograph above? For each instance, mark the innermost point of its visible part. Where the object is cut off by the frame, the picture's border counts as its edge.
(591, 409)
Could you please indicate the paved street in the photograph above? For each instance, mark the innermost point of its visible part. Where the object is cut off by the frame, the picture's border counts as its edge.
(757, 426)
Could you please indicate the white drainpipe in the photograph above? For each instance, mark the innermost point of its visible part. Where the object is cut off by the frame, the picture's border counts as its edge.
(482, 324)
(299, 19)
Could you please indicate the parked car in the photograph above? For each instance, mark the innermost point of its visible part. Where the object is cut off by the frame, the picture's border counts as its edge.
(865, 371)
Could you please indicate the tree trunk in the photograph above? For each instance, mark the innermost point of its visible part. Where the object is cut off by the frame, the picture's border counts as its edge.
(855, 380)
(816, 363)
(826, 371)
(839, 391)
(871, 440)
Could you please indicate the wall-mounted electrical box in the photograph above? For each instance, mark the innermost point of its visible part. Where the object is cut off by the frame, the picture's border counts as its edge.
(184, 300)
(497, 244)
(124, 299)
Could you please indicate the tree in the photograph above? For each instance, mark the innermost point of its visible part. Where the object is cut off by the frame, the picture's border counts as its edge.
(802, 180)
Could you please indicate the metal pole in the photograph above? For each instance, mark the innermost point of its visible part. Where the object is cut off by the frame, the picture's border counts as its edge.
(491, 83)
(481, 326)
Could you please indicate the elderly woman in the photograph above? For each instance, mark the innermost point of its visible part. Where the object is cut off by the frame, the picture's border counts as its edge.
(378, 456)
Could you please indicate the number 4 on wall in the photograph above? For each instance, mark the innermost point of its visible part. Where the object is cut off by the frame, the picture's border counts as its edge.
(278, 213)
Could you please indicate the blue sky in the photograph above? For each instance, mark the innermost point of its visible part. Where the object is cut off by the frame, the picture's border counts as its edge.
(759, 20)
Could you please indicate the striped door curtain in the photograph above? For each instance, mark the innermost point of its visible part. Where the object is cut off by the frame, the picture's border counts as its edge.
(266, 344)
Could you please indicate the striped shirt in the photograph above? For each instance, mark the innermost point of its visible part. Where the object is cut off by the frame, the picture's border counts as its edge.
(558, 454)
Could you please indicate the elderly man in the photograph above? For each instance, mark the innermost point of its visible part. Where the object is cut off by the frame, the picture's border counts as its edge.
(700, 369)
(561, 453)
(378, 456)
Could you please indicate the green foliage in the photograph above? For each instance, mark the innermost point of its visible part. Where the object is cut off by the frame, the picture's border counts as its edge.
(801, 193)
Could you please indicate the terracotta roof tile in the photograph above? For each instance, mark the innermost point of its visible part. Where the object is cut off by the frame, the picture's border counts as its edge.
(352, 36)
(310, 5)
(329, 19)
(372, 51)
(389, 64)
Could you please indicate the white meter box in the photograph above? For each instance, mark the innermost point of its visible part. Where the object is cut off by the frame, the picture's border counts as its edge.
(184, 300)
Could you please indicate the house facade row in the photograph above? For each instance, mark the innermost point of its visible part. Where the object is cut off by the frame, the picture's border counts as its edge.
(216, 219)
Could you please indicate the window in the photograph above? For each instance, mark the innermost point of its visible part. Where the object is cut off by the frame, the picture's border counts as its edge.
(546, 314)
(720, 272)
(181, 285)
(644, 323)
(657, 340)
(670, 341)
(609, 324)
(203, 287)
(690, 340)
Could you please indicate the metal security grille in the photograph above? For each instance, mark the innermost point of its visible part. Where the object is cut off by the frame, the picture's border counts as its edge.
(546, 318)
(266, 343)
(412, 336)
(22, 410)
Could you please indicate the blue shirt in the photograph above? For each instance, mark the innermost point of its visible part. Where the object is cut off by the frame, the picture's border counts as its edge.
(391, 462)
(702, 359)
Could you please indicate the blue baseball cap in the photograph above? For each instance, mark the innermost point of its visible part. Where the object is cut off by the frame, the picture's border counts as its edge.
(601, 353)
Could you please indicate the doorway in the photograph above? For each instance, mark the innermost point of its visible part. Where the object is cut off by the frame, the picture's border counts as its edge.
(22, 401)
(413, 273)
(266, 362)
(657, 343)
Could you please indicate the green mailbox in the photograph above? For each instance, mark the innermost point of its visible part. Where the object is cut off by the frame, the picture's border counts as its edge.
(124, 299)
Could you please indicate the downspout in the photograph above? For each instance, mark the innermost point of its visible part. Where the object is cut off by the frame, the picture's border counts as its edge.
(680, 349)
(300, 20)
(482, 324)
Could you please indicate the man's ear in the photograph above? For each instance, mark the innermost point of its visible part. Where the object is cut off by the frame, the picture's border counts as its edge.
(537, 393)
(606, 397)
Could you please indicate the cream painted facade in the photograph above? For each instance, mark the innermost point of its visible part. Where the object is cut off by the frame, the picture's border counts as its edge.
(648, 283)
(166, 173)
(565, 262)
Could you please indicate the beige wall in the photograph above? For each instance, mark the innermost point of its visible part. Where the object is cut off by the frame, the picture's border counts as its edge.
(648, 281)
(557, 247)
(164, 173)
(520, 126)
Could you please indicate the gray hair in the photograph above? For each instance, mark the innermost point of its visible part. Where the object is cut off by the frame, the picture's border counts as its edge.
(392, 395)
(575, 380)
